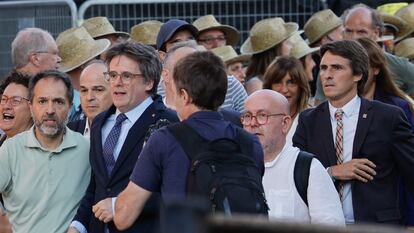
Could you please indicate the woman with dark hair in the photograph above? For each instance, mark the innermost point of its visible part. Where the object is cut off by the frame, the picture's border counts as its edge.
(380, 86)
(268, 39)
(287, 76)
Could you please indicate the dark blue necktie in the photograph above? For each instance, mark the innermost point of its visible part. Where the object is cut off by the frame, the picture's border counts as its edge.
(110, 143)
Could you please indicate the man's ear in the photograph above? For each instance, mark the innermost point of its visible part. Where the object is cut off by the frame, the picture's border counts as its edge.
(165, 73)
(186, 97)
(286, 123)
(162, 55)
(34, 59)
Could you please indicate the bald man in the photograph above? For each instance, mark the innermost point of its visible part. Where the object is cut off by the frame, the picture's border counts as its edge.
(95, 96)
(267, 116)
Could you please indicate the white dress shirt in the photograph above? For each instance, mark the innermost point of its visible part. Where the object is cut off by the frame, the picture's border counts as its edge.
(350, 120)
(284, 200)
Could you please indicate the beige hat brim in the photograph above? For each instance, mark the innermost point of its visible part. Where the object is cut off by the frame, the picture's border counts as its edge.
(232, 34)
(112, 33)
(239, 58)
(405, 32)
(247, 48)
(100, 46)
(307, 52)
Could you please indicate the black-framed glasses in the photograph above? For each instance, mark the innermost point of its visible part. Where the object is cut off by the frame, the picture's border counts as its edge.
(261, 118)
(14, 100)
(210, 40)
(126, 76)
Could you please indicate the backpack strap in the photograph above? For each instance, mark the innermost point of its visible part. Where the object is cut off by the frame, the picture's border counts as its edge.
(301, 174)
(188, 138)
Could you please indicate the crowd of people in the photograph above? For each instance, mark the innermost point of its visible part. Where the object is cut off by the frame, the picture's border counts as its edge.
(87, 143)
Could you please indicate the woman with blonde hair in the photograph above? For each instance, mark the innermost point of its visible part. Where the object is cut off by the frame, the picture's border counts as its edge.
(287, 76)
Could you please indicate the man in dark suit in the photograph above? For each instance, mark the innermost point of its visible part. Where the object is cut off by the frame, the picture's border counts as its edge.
(365, 145)
(117, 136)
(95, 96)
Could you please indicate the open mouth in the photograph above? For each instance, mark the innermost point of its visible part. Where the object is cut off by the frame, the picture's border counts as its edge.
(8, 116)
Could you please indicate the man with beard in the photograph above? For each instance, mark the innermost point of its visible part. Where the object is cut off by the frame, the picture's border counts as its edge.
(43, 170)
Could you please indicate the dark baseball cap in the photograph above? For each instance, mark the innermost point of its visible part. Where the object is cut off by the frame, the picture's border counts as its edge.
(169, 28)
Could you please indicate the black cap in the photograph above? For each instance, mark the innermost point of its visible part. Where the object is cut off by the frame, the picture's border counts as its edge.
(169, 28)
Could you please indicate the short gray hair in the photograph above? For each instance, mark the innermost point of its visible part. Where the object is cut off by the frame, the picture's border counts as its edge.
(182, 44)
(27, 41)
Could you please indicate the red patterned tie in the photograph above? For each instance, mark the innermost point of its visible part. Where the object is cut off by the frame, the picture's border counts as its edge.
(339, 146)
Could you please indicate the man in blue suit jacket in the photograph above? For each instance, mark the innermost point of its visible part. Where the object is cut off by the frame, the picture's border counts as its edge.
(134, 72)
(376, 146)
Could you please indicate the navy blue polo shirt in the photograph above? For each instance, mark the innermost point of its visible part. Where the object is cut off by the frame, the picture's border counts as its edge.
(163, 166)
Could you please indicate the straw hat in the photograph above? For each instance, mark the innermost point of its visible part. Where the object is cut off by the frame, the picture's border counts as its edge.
(266, 34)
(299, 47)
(229, 55)
(405, 48)
(146, 32)
(320, 24)
(100, 26)
(76, 47)
(399, 25)
(406, 14)
(209, 22)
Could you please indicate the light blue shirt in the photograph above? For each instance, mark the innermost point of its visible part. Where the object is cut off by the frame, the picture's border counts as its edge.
(350, 120)
(133, 115)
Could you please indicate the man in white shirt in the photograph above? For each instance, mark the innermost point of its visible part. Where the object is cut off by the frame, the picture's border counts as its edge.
(267, 116)
(366, 146)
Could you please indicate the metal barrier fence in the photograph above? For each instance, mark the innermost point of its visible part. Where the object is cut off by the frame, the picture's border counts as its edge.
(54, 16)
(241, 14)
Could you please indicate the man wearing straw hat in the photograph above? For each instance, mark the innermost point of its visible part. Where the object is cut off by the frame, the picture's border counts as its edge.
(76, 48)
(212, 34)
(146, 32)
(100, 28)
(234, 62)
(34, 50)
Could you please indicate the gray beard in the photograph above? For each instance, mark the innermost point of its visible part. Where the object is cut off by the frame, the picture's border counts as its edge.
(51, 132)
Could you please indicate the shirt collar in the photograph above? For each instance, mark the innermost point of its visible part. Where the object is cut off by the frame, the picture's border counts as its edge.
(136, 112)
(67, 142)
(350, 108)
(87, 131)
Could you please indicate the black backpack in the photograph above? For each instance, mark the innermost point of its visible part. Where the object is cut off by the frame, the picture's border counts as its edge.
(223, 171)
(301, 174)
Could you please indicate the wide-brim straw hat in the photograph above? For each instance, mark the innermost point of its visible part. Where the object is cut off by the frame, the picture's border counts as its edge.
(299, 47)
(146, 32)
(229, 55)
(100, 26)
(406, 14)
(266, 34)
(399, 25)
(209, 22)
(405, 48)
(76, 47)
(320, 24)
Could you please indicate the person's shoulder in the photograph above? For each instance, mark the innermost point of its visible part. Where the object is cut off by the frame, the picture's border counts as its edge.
(76, 136)
(310, 112)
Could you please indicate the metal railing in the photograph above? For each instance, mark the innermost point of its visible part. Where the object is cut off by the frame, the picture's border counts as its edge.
(241, 14)
(54, 16)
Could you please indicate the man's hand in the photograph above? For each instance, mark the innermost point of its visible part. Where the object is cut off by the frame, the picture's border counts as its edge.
(359, 169)
(5, 226)
(103, 210)
(72, 230)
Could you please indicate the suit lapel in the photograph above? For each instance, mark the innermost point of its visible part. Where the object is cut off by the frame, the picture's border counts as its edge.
(364, 121)
(324, 124)
(136, 135)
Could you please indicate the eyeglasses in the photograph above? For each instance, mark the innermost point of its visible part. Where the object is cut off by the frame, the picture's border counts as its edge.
(55, 53)
(261, 118)
(14, 100)
(125, 76)
(210, 40)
